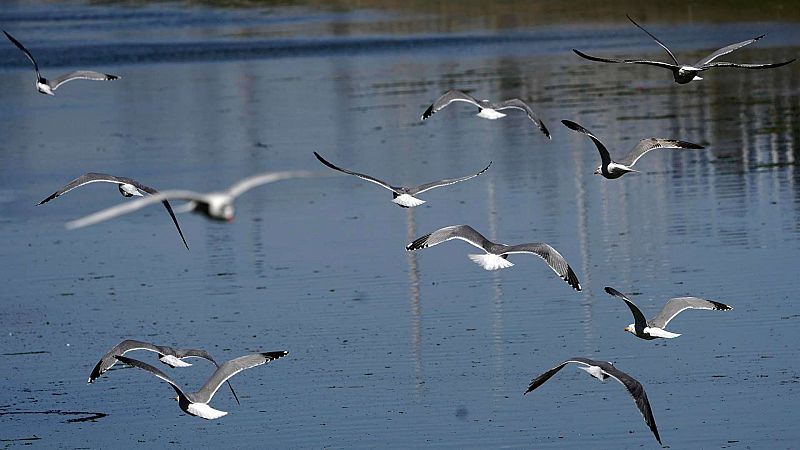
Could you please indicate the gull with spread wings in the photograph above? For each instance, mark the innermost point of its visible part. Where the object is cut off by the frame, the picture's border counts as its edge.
(614, 169)
(486, 109)
(196, 403)
(654, 328)
(684, 73)
(48, 87)
(173, 357)
(214, 205)
(602, 370)
(496, 256)
(128, 187)
(401, 195)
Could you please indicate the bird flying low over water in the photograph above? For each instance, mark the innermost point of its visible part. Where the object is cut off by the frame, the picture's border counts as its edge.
(127, 187)
(486, 109)
(214, 205)
(196, 403)
(602, 370)
(684, 73)
(172, 357)
(401, 195)
(654, 328)
(48, 87)
(497, 254)
(614, 169)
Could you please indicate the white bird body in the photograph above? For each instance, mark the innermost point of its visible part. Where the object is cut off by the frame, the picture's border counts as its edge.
(490, 261)
(129, 190)
(44, 88)
(651, 332)
(173, 362)
(407, 200)
(491, 114)
(203, 410)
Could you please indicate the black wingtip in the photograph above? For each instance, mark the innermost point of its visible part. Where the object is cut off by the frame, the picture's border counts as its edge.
(611, 291)
(110, 77)
(274, 355)
(690, 145)
(428, 112)
(721, 306)
(418, 243)
(574, 126)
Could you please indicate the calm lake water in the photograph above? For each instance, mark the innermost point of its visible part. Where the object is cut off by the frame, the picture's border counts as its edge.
(387, 348)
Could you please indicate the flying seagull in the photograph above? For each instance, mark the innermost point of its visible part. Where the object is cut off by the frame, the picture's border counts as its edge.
(615, 169)
(654, 328)
(684, 73)
(214, 205)
(497, 254)
(486, 109)
(172, 357)
(196, 403)
(401, 195)
(48, 87)
(127, 187)
(602, 370)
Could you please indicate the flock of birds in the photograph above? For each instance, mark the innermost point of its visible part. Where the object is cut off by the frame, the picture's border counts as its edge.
(220, 206)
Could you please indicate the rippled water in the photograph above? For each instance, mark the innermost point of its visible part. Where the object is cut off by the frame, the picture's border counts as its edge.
(389, 348)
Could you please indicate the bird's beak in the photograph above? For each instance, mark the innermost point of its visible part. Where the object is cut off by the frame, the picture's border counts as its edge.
(230, 219)
(176, 398)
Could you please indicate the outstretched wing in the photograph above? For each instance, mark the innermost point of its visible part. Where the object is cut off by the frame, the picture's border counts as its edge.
(639, 320)
(91, 177)
(245, 185)
(153, 370)
(80, 75)
(359, 175)
(627, 61)
(676, 305)
(231, 368)
(541, 379)
(108, 360)
(24, 50)
(605, 157)
(127, 207)
(453, 95)
(462, 232)
(725, 50)
(645, 145)
(166, 204)
(435, 184)
(519, 104)
(637, 392)
(655, 39)
(748, 66)
(551, 257)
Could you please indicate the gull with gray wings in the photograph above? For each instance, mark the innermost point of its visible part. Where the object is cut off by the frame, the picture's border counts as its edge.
(213, 205)
(401, 195)
(170, 356)
(196, 403)
(654, 328)
(496, 256)
(48, 87)
(486, 109)
(603, 370)
(611, 169)
(128, 187)
(685, 73)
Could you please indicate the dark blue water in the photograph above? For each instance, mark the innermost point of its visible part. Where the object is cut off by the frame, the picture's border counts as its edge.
(388, 348)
